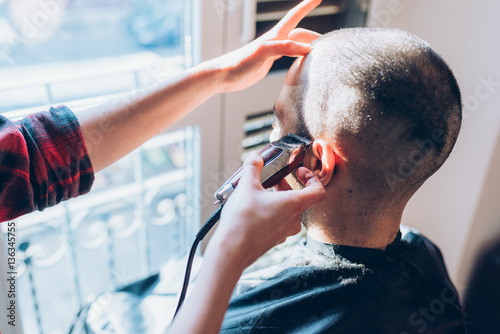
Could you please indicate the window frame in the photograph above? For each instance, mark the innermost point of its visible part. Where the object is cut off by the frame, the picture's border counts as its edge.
(207, 35)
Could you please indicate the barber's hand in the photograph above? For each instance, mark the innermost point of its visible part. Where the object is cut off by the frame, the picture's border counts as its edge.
(255, 220)
(249, 64)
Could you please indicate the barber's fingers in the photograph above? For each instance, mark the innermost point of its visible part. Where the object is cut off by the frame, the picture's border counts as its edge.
(252, 167)
(303, 35)
(312, 194)
(283, 48)
(293, 17)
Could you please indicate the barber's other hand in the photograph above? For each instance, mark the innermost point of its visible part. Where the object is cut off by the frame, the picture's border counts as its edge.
(249, 64)
(255, 220)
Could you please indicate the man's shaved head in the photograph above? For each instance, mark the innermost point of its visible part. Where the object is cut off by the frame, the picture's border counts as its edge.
(388, 102)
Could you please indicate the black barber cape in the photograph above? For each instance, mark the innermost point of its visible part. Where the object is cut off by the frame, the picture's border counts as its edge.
(324, 288)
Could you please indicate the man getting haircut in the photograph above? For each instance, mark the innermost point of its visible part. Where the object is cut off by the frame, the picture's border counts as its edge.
(384, 111)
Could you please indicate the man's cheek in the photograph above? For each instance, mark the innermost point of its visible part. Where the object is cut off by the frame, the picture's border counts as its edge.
(275, 134)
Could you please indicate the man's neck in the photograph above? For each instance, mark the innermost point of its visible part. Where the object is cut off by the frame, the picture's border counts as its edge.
(336, 226)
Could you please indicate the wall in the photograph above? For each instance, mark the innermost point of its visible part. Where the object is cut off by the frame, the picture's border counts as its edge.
(458, 207)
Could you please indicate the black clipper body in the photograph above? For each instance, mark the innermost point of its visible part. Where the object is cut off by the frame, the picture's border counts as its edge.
(281, 157)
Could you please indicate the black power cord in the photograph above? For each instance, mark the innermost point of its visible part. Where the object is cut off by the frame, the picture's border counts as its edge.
(199, 236)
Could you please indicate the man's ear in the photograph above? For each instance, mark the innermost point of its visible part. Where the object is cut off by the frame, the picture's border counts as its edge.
(321, 160)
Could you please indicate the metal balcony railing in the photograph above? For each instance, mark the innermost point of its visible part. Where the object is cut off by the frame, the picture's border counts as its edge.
(139, 215)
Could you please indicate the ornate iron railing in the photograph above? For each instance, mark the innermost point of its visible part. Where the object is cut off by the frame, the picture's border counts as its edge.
(139, 214)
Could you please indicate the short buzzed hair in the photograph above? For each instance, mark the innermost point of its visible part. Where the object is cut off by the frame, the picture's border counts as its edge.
(387, 100)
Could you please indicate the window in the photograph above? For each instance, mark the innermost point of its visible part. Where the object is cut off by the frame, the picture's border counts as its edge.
(53, 51)
(144, 209)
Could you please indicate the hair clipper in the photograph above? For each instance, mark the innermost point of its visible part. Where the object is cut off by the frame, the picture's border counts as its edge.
(281, 157)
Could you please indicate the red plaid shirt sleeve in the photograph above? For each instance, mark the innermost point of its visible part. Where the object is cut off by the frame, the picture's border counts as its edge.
(43, 161)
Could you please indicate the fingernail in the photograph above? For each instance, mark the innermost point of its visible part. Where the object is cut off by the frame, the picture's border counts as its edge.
(305, 174)
(308, 174)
